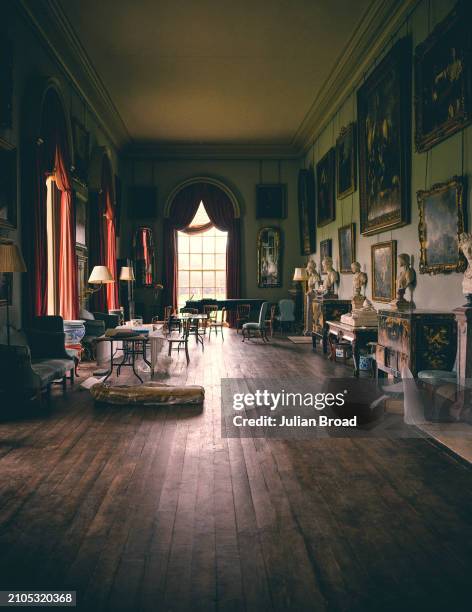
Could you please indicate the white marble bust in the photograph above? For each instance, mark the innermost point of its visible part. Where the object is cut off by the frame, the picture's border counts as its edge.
(359, 282)
(406, 279)
(465, 245)
(331, 278)
(314, 279)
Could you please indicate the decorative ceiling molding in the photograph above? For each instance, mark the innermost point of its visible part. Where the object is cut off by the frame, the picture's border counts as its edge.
(380, 22)
(377, 26)
(53, 27)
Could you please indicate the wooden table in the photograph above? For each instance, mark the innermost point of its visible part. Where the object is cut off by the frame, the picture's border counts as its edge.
(358, 337)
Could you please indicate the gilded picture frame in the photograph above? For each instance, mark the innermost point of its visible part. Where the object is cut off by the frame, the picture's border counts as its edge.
(269, 257)
(384, 270)
(384, 136)
(441, 221)
(346, 161)
(325, 189)
(443, 80)
(347, 247)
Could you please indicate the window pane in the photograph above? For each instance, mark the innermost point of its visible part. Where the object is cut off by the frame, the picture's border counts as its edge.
(208, 245)
(184, 279)
(195, 244)
(183, 244)
(195, 279)
(220, 261)
(208, 278)
(183, 261)
(209, 292)
(221, 278)
(208, 261)
(220, 245)
(196, 261)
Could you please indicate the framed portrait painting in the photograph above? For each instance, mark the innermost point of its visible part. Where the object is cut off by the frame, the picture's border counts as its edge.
(271, 201)
(443, 80)
(384, 110)
(325, 195)
(347, 247)
(326, 250)
(306, 211)
(269, 257)
(346, 161)
(384, 270)
(441, 222)
(8, 186)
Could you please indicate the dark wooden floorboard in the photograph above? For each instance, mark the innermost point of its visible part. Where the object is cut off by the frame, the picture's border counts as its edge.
(151, 509)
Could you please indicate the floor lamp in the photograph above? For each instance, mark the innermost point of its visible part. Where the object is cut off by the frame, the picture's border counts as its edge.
(11, 260)
(300, 275)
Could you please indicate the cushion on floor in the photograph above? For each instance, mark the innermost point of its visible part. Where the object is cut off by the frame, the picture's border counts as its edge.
(148, 394)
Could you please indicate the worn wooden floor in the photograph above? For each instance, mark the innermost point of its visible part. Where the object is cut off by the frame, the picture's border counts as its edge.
(149, 509)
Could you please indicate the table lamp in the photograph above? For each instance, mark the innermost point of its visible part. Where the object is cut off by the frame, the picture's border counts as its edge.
(11, 260)
(100, 276)
(127, 275)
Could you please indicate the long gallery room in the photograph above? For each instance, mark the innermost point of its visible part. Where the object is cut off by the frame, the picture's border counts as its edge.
(236, 305)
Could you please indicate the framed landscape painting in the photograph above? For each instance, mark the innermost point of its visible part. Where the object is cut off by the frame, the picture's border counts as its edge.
(325, 195)
(306, 211)
(384, 109)
(271, 201)
(443, 80)
(346, 161)
(441, 222)
(326, 250)
(347, 247)
(384, 270)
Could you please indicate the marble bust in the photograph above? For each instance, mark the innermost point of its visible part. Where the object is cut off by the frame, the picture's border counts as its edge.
(331, 278)
(465, 245)
(314, 279)
(359, 282)
(405, 280)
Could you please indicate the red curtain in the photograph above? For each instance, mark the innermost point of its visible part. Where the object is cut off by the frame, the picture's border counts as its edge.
(52, 156)
(221, 213)
(102, 235)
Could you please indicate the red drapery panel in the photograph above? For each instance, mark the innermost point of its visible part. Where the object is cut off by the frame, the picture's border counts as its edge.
(102, 236)
(221, 213)
(51, 156)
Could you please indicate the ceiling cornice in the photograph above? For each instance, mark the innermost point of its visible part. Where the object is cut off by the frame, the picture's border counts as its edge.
(53, 27)
(174, 151)
(379, 23)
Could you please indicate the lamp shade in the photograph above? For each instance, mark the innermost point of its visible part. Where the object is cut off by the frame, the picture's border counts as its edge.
(11, 259)
(127, 273)
(100, 274)
(300, 274)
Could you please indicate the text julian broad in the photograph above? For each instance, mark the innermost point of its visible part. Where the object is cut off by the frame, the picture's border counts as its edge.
(294, 421)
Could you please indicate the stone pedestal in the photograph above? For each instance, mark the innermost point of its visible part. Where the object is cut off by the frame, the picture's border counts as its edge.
(463, 316)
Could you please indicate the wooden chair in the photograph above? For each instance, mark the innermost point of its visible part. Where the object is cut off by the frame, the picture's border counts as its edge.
(257, 329)
(195, 327)
(270, 321)
(215, 322)
(169, 324)
(243, 312)
(181, 340)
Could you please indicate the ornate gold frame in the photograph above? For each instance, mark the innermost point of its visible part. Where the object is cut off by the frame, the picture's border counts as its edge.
(352, 228)
(457, 183)
(393, 249)
(278, 246)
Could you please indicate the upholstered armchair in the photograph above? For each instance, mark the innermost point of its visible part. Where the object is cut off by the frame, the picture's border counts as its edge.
(257, 329)
(286, 316)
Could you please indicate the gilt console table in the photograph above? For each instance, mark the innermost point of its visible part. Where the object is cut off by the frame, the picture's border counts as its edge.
(326, 309)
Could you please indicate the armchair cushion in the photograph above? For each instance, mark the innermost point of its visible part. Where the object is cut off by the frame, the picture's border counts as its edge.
(252, 326)
(49, 370)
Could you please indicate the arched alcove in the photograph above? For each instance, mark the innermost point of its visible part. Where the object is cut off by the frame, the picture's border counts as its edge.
(203, 180)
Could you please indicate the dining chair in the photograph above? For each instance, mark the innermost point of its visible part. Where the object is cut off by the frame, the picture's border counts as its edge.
(270, 321)
(175, 343)
(243, 312)
(216, 321)
(286, 313)
(259, 328)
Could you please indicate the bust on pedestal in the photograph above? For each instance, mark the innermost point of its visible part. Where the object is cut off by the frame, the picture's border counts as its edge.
(363, 314)
(314, 280)
(331, 279)
(405, 280)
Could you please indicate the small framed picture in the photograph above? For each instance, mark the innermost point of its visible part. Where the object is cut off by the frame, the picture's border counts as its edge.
(346, 161)
(347, 247)
(271, 201)
(8, 178)
(441, 212)
(326, 250)
(384, 270)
